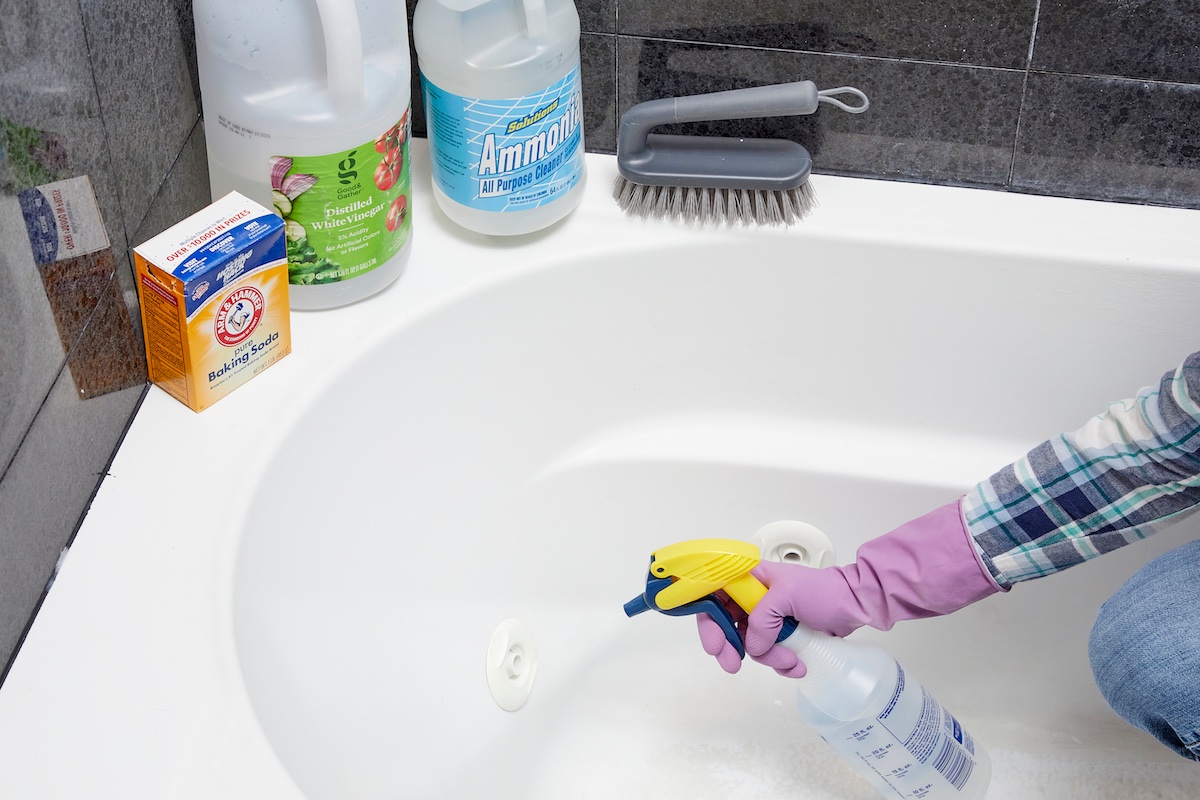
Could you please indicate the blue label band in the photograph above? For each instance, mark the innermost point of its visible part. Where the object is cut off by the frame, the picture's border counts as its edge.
(508, 154)
(232, 251)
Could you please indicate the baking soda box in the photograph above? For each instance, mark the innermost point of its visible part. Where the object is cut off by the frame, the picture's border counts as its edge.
(214, 297)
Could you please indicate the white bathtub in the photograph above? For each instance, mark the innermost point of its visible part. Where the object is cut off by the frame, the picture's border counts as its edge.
(292, 594)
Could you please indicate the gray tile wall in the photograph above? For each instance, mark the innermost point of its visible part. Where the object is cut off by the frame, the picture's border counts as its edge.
(110, 86)
(1078, 98)
(1069, 97)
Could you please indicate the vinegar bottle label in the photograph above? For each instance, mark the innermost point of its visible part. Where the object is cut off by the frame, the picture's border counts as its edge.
(346, 213)
(509, 154)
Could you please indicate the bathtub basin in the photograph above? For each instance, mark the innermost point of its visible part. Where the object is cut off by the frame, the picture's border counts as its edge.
(296, 597)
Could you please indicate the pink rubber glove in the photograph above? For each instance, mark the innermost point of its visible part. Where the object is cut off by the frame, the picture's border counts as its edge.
(924, 568)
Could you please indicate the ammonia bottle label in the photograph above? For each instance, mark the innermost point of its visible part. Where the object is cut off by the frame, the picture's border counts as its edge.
(508, 154)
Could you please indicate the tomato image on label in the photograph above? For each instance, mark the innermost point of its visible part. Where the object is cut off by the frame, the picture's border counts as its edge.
(238, 316)
(345, 213)
(397, 213)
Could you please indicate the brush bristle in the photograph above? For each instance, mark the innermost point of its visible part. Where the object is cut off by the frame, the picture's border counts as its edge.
(714, 206)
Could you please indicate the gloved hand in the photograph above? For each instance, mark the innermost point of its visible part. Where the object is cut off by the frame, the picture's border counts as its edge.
(924, 568)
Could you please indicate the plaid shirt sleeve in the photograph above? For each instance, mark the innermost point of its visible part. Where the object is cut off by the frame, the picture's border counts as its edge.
(1119, 478)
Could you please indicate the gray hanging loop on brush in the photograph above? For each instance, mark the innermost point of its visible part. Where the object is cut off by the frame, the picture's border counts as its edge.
(722, 162)
(830, 96)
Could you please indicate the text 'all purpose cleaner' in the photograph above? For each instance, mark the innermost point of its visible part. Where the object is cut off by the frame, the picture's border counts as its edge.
(503, 109)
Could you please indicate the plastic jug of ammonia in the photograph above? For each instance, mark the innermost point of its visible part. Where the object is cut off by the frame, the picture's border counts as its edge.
(306, 110)
(503, 110)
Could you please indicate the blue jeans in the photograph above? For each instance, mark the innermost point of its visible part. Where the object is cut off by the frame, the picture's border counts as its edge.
(1145, 650)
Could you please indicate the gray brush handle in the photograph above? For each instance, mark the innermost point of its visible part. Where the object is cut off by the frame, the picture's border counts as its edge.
(777, 100)
(716, 162)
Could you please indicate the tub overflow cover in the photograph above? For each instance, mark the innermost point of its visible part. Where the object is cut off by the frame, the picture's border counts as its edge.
(511, 664)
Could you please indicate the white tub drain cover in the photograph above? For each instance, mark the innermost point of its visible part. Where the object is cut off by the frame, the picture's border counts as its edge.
(511, 664)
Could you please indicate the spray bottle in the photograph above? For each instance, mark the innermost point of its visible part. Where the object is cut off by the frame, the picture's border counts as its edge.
(886, 726)
(503, 109)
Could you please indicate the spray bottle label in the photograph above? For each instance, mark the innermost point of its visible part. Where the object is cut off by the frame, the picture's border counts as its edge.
(346, 213)
(507, 154)
(914, 748)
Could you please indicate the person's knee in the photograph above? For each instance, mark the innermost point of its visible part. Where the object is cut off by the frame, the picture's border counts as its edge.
(1145, 650)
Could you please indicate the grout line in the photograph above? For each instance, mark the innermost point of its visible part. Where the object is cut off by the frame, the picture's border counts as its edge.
(1027, 70)
(616, 76)
(1012, 164)
(1037, 16)
(860, 56)
(1095, 76)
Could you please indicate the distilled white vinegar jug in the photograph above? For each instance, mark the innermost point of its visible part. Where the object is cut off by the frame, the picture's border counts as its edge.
(306, 110)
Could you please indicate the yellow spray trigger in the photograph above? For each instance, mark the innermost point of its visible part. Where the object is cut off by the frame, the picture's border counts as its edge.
(700, 567)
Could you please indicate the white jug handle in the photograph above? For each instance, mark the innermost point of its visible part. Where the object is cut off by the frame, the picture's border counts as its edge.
(537, 23)
(343, 53)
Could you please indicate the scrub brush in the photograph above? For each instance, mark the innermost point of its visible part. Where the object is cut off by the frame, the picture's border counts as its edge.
(713, 179)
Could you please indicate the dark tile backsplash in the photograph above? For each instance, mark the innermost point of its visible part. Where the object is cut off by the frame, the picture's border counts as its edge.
(1131, 140)
(994, 33)
(1132, 39)
(1062, 97)
(139, 59)
(106, 89)
(927, 121)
